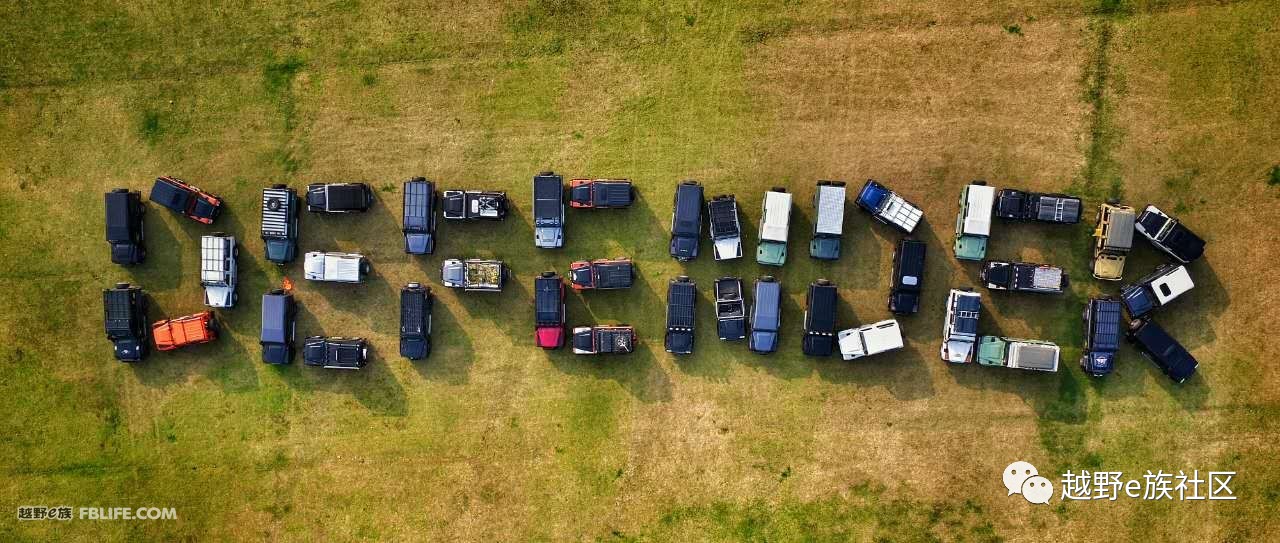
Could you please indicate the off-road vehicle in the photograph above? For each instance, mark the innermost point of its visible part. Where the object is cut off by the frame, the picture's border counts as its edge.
(889, 208)
(1018, 205)
(766, 316)
(973, 222)
(335, 267)
(474, 205)
(186, 199)
(820, 319)
(474, 274)
(280, 210)
(682, 293)
(1024, 277)
(686, 221)
(960, 328)
(601, 193)
(1113, 238)
(602, 274)
(775, 222)
(279, 327)
(419, 223)
(339, 197)
(1157, 289)
(549, 310)
(828, 224)
(726, 231)
(1102, 323)
(1026, 354)
(1169, 235)
(125, 232)
(343, 353)
(1161, 349)
(415, 321)
(125, 316)
(218, 269)
(731, 313)
(548, 210)
(619, 339)
(870, 339)
(908, 277)
(170, 334)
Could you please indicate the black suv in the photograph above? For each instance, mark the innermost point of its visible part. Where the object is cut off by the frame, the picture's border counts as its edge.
(415, 321)
(339, 197)
(125, 314)
(343, 353)
(686, 221)
(280, 206)
(1159, 347)
(1101, 336)
(1020, 205)
(681, 296)
(125, 227)
(279, 327)
(820, 319)
(419, 216)
(908, 277)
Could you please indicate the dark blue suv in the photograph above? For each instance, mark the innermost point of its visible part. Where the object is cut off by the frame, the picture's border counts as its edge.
(1102, 321)
(686, 221)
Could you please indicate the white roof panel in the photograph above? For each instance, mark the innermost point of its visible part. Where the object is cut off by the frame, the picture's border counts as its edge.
(830, 204)
(1172, 285)
(977, 219)
(777, 215)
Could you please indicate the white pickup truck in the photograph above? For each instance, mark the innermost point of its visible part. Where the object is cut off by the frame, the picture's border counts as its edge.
(870, 339)
(335, 267)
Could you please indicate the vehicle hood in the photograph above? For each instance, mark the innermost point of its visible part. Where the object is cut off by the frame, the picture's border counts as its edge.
(129, 350)
(1098, 363)
(204, 209)
(825, 248)
(764, 341)
(417, 244)
(679, 341)
(279, 250)
(684, 247)
(124, 253)
(548, 236)
(581, 195)
(735, 328)
(413, 348)
(581, 276)
(904, 302)
(453, 273)
(549, 337)
(275, 353)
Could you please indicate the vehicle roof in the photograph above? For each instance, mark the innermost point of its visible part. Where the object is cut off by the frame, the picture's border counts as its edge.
(169, 195)
(117, 215)
(1172, 284)
(1120, 233)
(1173, 357)
(777, 214)
(548, 197)
(417, 203)
(274, 317)
(344, 195)
(1105, 331)
(1048, 210)
(275, 222)
(681, 296)
(213, 255)
(1034, 355)
(821, 316)
(964, 318)
(724, 216)
(910, 263)
(830, 209)
(413, 309)
(882, 336)
(688, 212)
(117, 307)
(546, 300)
(612, 273)
(977, 217)
(613, 340)
(767, 306)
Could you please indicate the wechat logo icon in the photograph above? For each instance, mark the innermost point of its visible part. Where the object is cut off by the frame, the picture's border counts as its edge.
(1023, 478)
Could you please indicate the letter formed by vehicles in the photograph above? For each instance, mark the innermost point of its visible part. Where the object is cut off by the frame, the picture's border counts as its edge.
(766, 316)
(828, 225)
(549, 310)
(775, 221)
(960, 328)
(474, 275)
(218, 271)
(1024, 277)
(548, 211)
(681, 296)
(342, 353)
(602, 274)
(731, 314)
(415, 321)
(280, 210)
(419, 223)
(908, 277)
(1113, 238)
(1102, 323)
(279, 327)
(186, 199)
(619, 339)
(1169, 235)
(889, 208)
(339, 197)
(1018, 205)
(125, 317)
(973, 222)
(125, 228)
(474, 205)
(335, 267)
(725, 230)
(1027, 354)
(601, 193)
(170, 334)
(1157, 289)
(871, 339)
(820, 319)
(686, 221)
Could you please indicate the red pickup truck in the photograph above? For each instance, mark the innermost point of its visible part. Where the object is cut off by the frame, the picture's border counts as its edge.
(170, 334)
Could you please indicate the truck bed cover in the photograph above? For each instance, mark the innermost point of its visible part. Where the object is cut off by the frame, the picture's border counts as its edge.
(612, 274)
(1032, 277)
(1058, 208)
(1121, 230)
(613, 340)
(606, 192)
(483, 274)
(1033, 356)
(344, 196)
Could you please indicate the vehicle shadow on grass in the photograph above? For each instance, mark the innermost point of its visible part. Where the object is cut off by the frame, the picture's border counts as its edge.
(373, 300)
(638, 372)
(903, 373)
(643, 234)
(373, 386)
(787, 362)
(167, 257)
(224, 361)
(452, 353)
(711, 358)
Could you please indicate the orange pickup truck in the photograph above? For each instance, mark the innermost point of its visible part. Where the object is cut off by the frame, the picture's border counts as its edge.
(170, 334)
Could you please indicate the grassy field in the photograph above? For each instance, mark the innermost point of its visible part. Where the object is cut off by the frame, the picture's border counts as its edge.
(1170, 102)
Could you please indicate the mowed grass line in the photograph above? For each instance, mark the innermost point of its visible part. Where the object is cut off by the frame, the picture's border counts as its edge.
(492, 439)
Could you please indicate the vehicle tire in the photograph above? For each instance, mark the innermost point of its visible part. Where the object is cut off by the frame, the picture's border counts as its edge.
(214, 326)
(365, 267)
(1113, 201)
(235, 297)
(980, 183)
(278, 186)
(235, 252)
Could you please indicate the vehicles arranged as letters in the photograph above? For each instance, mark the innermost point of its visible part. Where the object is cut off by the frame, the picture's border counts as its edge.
(186, 199)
